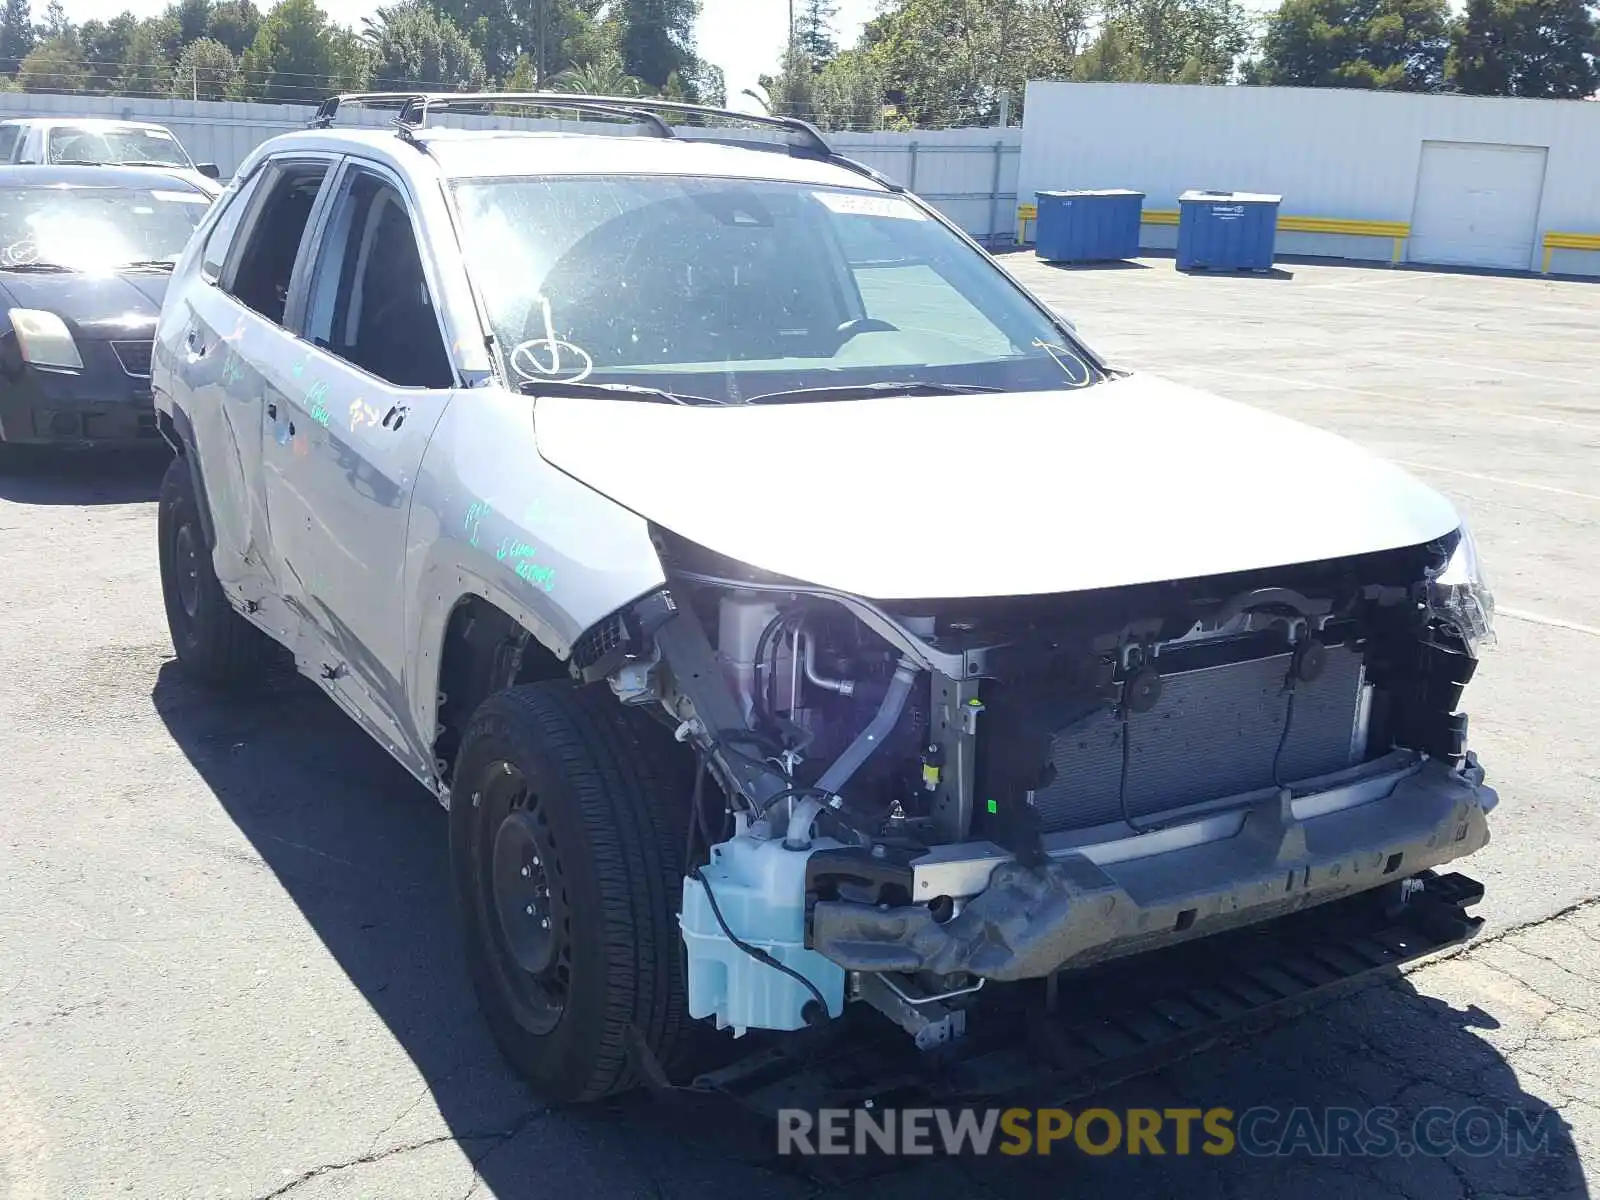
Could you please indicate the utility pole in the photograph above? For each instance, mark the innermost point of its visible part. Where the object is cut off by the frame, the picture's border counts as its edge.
(791, 23)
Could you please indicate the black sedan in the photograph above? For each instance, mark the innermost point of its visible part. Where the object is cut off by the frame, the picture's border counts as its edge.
(85, 253)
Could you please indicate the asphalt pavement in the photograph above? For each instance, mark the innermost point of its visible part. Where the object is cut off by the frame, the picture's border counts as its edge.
(228, 965)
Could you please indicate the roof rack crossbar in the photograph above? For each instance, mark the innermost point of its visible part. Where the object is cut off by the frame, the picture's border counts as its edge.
(414, 108)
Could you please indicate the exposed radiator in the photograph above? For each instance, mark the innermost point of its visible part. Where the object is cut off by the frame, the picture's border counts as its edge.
(1212, 734)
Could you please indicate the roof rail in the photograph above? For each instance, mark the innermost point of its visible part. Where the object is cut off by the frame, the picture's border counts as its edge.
(415, 107)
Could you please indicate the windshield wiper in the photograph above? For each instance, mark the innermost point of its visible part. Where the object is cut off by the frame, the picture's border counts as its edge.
(147, 264)
(552, 387)
(865, 391)
(152, 162)
(43, 268)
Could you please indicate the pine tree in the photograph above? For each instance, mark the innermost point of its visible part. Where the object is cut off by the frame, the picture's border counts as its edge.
(814, 34)
(16, 34)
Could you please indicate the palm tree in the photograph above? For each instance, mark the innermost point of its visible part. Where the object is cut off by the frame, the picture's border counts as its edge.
(599, 77)
(762, 97)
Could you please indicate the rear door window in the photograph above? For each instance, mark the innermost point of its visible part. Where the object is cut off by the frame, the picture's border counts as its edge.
(8, 141)
(275, 233)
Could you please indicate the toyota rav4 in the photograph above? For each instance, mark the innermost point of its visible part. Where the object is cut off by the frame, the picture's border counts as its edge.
(794, 614)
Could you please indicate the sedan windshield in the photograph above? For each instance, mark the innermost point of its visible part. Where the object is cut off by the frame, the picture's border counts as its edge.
(115, 146)
(732, 290)
(96, 229)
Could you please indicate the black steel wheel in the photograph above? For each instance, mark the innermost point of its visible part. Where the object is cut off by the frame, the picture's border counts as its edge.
(524, 897)
(213, 642)
(567, 825)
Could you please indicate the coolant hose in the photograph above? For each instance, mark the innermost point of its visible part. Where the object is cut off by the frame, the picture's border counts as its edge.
(857, 753)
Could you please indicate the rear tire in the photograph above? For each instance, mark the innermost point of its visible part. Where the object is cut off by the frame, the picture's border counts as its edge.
(214, 643)
(568, 816)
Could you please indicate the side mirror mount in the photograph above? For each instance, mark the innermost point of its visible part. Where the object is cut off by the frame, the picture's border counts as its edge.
(209, 170)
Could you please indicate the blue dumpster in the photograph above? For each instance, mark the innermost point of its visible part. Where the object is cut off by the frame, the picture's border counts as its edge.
(1226, 231)
(1089, 226)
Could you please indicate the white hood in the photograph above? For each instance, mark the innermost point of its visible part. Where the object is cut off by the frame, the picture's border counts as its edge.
(1133, 481)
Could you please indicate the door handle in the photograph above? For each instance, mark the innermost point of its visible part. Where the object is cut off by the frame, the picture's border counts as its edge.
(272, 411)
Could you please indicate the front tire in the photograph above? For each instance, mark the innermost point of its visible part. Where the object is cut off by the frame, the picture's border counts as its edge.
(567, 825)
(214, 643)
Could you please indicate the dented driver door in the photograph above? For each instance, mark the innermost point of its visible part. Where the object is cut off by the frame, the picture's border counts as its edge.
(370, 383)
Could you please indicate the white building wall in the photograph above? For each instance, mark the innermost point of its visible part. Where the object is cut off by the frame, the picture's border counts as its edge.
(969, 174)
(1328, 152)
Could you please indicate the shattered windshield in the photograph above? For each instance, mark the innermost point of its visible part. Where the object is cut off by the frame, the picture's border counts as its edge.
(730, 289)
(115, 145)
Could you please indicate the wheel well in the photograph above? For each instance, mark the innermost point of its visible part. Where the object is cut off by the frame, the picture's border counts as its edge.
(485, 651)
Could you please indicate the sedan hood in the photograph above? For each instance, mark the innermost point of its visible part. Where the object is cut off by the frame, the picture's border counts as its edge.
(1136, 480)
(95, 306)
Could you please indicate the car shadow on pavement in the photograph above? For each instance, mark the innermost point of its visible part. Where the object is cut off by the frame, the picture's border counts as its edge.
(47, 475)
(361, 849)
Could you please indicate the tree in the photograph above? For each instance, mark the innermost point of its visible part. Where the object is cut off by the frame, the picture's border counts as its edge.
(711, 85)
(551, 34)
(192, 18)
(55, 65)
(1394, 44)
(298, 55)
(206, 70)
(234, 23)
(602, 76)
(1167, 41)
(16, 34)
(813, 32)
(657, 39)
(849, 93)
(412, 44)
(55, 23)
(1526, 48)
(792, 92)
(105, 49)
(947, 62)
(147, 63)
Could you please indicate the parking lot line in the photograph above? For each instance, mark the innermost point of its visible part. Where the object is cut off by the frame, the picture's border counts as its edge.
(1540, 619)
(1521, 483)
(1311, 386)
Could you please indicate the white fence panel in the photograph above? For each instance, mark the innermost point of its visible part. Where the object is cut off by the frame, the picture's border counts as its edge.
(969, 174)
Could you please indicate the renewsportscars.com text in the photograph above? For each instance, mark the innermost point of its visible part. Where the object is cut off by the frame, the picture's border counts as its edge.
(1258, 1132)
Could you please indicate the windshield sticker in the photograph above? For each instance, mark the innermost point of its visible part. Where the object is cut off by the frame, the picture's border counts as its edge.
(549, 358)
(862, 204)
(179, 198)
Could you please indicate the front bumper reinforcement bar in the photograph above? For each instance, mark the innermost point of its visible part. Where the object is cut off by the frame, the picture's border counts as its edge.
(1072, 912)
(1087, 1030)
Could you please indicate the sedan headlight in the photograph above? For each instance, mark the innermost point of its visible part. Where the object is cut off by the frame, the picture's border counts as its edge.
(1459, 594)
(45, 340)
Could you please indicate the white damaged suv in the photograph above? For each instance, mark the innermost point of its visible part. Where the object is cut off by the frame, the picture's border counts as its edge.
(794, 614)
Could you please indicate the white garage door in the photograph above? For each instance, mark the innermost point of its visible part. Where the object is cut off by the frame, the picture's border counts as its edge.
(1477, 204)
